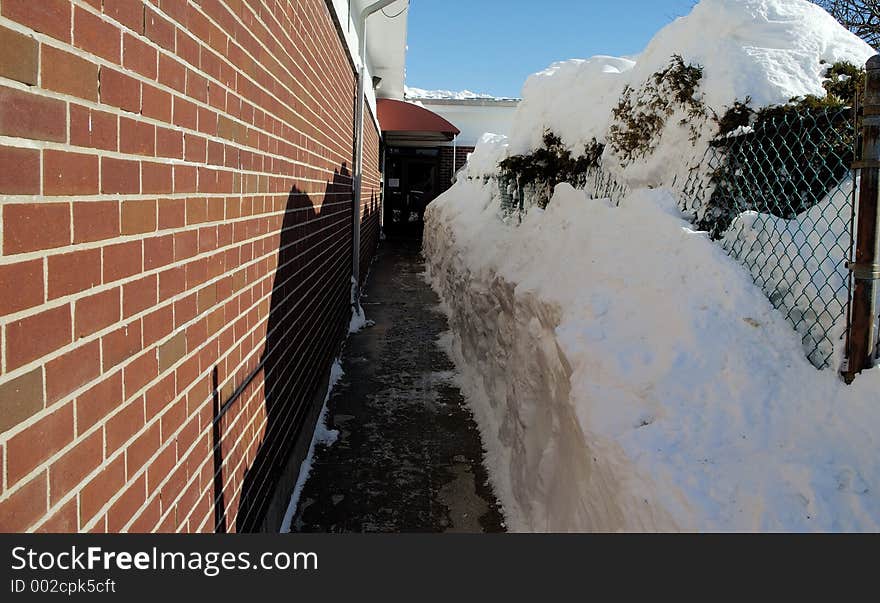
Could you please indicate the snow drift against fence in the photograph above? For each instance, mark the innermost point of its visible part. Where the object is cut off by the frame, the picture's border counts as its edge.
(627, 374)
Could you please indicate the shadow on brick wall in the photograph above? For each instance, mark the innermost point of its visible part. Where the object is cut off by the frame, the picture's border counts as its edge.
(308, 317)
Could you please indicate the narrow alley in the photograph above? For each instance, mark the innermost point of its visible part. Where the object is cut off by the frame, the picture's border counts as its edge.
(408, 457)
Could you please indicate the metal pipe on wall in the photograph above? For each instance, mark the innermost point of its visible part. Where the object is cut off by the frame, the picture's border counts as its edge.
(359, 144)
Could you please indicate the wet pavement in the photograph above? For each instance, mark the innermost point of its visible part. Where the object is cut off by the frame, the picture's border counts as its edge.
(409, 457)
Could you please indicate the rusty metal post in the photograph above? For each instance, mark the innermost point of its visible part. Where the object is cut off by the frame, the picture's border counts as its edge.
(865, 270)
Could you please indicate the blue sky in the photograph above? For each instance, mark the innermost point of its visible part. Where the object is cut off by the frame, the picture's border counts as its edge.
(491, 46)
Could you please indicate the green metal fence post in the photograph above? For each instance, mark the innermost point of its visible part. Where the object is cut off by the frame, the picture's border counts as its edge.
(865, 268)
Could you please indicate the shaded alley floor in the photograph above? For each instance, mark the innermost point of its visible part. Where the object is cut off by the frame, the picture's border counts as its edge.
(409, 457)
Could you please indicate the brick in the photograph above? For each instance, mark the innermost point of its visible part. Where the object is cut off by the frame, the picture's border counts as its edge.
(69, 173)
(172, 73)
(140, 372)
(70, 469)
(75, 368)
(157, 178)
(26, 506)
(96, 312)
(125, 423)
(121, 344)
(185, 113)
(93, 34)
(93, 129)
(139, 56)
(20, 56)
(73, 272)
(139, 295)
(195, 148)
(34, 336)
(207, 239)
(215, 153)
(21, 286)
(120, 90)
(172, 282)
(34, 445)
(51, 17)
(156, 103)
(207, 119)
(20, 398)
(127, 505)
(63, 521)
(26, 115)
(21, 171)
(136, 137)
(139, 216)
(176, 9)
(35, 226)
(185, 310)
(142, 448)
(122, 260)
(185, 246)
(172, 213)
(185, 179)
(171, 351)
(160, 30)
(161, 467)
(147, 518)
(158, 252)
(69, 74)
(128, 12)
(158, 324)
(120, 176)
(196, 210)
(94, 221)
(96, 403)
(101, 488)
(169, 143)
(160, 396)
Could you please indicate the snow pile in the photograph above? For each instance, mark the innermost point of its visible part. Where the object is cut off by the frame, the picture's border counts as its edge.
(768, 50)
(801, 264)
(625, 371)
(573, 99)
(483, 161)
(623, 386)
(420, 93)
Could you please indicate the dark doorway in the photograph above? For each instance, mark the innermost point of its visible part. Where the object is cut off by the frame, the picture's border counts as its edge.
(412, 181)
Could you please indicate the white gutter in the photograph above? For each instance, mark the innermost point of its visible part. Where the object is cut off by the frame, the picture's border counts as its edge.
(359, 145)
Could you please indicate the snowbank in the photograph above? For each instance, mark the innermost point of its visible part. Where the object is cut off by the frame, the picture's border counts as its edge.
(573, 99)
(801, 265)
(625, 371)
(641, 382)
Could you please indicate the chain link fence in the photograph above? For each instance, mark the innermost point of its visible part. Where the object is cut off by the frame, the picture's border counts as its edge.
(778, 196)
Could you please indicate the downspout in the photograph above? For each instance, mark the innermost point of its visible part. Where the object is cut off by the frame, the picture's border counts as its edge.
(357, 179)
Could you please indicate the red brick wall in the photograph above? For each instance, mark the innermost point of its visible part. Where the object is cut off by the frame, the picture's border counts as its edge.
(447, 169)
(176, 244)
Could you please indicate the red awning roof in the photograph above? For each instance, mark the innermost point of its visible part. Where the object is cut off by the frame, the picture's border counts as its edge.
(412, 121)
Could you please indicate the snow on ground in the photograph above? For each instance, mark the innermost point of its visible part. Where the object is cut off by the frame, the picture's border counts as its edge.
(642, 382)
(782, 257)
(323, 435)
(626, 372)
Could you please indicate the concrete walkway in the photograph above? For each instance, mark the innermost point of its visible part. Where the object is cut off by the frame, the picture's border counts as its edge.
(409, 457)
